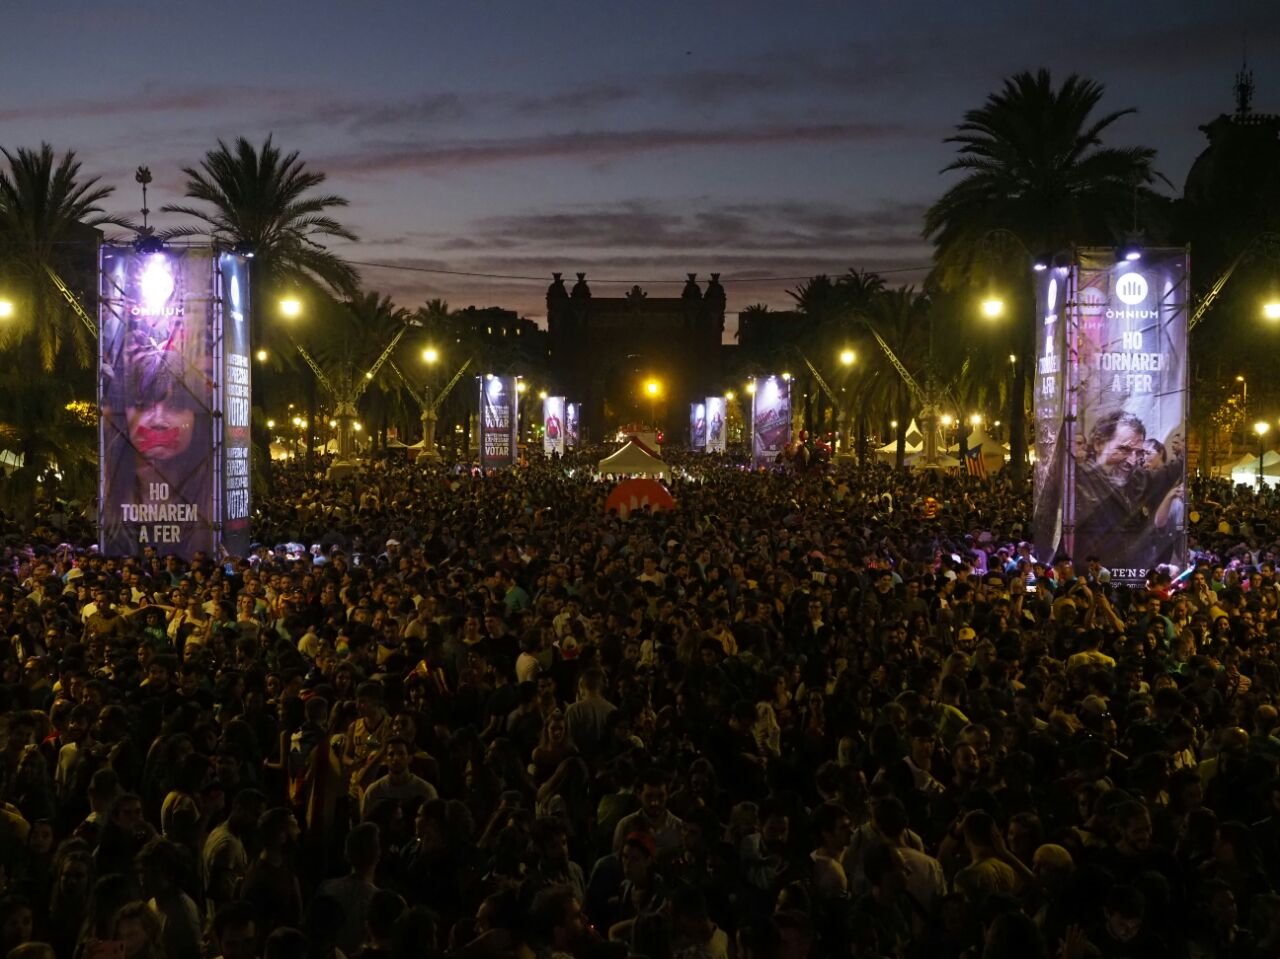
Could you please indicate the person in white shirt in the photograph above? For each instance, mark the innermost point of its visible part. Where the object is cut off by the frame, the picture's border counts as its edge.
(398, 783)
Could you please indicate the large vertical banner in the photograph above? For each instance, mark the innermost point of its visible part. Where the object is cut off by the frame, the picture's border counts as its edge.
(716, 430)
(553, 426)
(158, 434)
(1127, 472)
(237, 404)
(770, 419)
(572, 417)
(498, 421)
(1054, 291)
(698, 426)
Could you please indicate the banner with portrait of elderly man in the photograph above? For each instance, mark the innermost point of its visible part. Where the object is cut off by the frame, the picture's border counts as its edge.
(1124, 482)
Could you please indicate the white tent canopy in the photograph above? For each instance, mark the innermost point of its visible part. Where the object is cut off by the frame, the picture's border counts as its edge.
(914, 444)
(633, 459)
(942, 462)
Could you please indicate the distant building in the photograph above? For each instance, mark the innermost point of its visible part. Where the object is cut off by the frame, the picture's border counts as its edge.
(604, 348)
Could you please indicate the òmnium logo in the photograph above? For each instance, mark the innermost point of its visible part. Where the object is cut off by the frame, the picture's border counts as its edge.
(1131, 289)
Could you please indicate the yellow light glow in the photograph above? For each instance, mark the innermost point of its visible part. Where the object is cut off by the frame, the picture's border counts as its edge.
(751, 387)
(847, 357)
(893, 424)
(652, 387)
(291, 307)
(333, 423)
(261, 355)
(1261, 427)
(369, 375)
(271, 424)
(7, 309)
(993, 307)
(946, 419)
(729, 396)
(520, 387)
(787, 377)
(1270, 310)
(357, 426)
(975, 419)
(542, 394)
(430, 355)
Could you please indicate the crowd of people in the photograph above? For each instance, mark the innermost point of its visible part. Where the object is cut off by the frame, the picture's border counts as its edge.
(798, 716)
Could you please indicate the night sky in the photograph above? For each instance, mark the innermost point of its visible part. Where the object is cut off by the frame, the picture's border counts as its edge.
(636, 141)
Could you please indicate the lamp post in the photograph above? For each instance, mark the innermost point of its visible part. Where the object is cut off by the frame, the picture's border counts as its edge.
(652, 389)
(1261, 427)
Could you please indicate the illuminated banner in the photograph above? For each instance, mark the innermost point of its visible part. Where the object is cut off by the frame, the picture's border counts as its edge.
(770, 419)
(572, 415)
(1054, 291)
(553, 424)
(237, 405)
(498, 421)
(158, 394)
(698, 426)
(716, 430)
(1122, 457)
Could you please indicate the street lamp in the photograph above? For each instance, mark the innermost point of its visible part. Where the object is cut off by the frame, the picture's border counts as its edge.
(728, 396)
(542, 395)
(652, 388)
(7, 309)
(847, 357)
(271, 424)
(291, 307)
(751, 387)
(1269, 310)
(993, 308)
(261, 355)
(1261, 427)
(430, 355)
(975, 419)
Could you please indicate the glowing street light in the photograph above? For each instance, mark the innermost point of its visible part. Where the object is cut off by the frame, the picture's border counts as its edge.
(728, 396)
(261, 355)
(291, 307)
(975, 419)
(993, 308)
(652, 387)
(751, 387)
(787, 377)
(7, 309)
(947, 420)
(271, 424)
(430, 355)
(1269, 310)
(847, 357)
(520, 386)
(542, 395)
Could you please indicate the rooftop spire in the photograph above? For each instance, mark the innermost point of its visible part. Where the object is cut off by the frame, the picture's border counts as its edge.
(1244, 88)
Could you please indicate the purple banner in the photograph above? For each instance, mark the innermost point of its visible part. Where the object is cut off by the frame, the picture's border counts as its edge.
(159, 434)
(498, 421)
(716, 429)
(698, 426)
(572, 416)
(237, 404)
(553, 426)
(770, 419)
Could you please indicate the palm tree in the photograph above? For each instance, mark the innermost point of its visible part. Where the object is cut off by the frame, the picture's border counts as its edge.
(901, 317)
(263, 201)
(49, 219)
(48, 215)
(1035, 169)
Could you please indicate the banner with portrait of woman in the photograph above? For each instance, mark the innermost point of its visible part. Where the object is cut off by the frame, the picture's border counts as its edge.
(156, 392)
